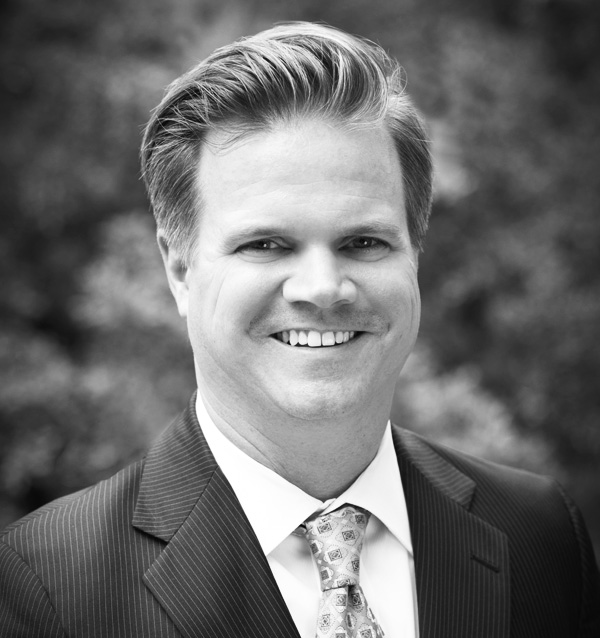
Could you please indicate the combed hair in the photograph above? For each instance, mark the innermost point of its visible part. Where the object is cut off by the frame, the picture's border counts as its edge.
(292, 71)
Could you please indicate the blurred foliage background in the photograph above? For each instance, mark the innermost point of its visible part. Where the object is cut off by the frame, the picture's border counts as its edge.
(94, 359)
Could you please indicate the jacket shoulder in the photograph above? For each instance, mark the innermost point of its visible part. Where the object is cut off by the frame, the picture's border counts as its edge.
(78, 536)
(492, 481)
(548, 541)
(112, 498)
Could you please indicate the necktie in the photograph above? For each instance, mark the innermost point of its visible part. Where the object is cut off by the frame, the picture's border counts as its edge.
(335, 540)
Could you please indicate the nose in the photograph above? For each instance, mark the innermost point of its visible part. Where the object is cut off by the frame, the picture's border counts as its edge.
(318, 279)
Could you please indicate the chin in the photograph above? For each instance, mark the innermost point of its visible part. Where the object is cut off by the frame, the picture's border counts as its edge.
(323, 403)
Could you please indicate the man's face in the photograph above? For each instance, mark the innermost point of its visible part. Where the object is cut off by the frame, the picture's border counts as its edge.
(302, 236)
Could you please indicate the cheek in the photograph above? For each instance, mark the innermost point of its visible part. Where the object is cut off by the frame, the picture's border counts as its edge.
(404, 317)
(228, 296)
(397, 294)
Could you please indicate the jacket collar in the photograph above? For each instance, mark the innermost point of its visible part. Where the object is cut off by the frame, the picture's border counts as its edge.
(212, 570)
(461, 562)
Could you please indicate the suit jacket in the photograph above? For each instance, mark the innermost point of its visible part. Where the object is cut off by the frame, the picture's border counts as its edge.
(164, 549)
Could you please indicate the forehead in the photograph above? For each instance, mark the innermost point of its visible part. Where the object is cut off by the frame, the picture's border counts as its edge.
(298, 167)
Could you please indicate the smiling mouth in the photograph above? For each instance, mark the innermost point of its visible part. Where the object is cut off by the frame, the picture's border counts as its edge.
(315, 338)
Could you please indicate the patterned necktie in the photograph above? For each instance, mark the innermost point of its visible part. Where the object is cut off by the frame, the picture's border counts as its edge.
(335, 541)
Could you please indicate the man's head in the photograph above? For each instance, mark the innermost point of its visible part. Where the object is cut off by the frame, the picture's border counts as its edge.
(291, 182)
(290, 72)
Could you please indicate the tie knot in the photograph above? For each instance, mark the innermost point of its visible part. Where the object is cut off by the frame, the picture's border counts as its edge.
(335, 540)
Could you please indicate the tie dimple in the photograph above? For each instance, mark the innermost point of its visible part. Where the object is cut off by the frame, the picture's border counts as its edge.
(335, 541)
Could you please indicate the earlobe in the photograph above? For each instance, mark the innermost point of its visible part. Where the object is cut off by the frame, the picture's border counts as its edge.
(177, 273)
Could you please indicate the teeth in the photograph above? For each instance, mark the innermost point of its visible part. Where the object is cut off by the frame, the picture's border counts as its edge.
(328, 339)
(314, 338)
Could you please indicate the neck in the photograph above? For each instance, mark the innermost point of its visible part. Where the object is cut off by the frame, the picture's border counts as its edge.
(302, 451)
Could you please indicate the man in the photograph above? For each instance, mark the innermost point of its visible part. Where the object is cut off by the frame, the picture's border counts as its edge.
(291, 183)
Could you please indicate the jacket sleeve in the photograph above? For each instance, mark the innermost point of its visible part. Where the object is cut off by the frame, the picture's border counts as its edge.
(26, 610)
(589, 618)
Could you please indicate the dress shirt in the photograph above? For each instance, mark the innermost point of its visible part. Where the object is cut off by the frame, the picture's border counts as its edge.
(276, 508)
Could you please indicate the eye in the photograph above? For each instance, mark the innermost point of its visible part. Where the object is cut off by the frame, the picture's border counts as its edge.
(259, 246)
(262, 249)
(366, 247)
(365, 243)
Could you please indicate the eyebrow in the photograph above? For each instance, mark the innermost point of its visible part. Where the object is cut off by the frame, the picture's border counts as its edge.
(377, 228)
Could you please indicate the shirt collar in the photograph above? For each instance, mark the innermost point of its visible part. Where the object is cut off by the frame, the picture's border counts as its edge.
(379, 490)
(261, 491)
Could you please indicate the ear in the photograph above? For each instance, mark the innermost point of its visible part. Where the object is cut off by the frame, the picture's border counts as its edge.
(177, 274)
(416, 258)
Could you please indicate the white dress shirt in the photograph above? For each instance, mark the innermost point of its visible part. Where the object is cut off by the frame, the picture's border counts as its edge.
(275, 508)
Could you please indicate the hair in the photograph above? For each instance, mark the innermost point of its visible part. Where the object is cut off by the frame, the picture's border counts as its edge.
(289, 72)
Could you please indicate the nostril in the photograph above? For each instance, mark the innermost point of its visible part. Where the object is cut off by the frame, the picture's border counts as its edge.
(320, 282)
(321, 296)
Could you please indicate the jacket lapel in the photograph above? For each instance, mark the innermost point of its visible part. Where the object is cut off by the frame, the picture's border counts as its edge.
(461, 562)
(212, 571)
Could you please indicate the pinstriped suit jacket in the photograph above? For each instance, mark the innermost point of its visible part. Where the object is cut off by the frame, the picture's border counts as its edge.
(164, 549)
